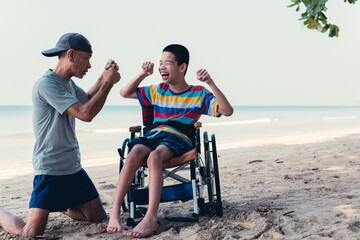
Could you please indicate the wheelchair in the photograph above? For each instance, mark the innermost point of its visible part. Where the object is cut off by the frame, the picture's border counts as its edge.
(204, 178)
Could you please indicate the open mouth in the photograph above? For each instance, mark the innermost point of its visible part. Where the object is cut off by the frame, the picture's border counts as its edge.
(164, 76)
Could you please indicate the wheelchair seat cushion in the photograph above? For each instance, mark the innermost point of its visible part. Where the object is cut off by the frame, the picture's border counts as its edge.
(186, 157)
(153, 139)
(176, 161)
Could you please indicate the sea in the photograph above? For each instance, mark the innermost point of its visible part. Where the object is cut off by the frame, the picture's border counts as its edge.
(247, 122)
(248, 126)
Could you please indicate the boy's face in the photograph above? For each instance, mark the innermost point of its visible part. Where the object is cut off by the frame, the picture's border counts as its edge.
(169, 68)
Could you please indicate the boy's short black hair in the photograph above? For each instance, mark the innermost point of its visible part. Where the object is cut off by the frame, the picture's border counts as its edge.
(181, 54)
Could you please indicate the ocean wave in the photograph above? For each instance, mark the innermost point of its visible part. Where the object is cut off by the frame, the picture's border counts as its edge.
(81, 131)
(242, 122)
(337, 118)
(17, 135)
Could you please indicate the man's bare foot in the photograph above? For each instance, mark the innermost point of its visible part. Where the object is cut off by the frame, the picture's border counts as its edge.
(114, 224)
(146, 227)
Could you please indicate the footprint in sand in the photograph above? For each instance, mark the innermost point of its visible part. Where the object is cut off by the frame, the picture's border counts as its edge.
(354, 226)
(107, 187)
(95, 229)
(347, 211)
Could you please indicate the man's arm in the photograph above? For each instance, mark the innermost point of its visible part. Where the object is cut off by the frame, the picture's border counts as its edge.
(129, 91)
(98, 94)
(224, 106)
(94, 89)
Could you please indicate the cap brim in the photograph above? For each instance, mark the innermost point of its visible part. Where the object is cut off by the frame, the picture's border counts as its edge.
(53, 52)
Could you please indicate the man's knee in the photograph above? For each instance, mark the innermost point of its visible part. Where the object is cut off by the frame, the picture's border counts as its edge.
(93, 211)
(36, 232)
(36, 223)
(98, 217)
(31, 231)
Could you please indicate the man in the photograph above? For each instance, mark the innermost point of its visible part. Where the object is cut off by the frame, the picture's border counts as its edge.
(60, 183)
(177, 106)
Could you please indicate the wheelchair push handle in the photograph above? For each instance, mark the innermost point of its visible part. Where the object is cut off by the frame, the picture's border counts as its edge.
(136, 128)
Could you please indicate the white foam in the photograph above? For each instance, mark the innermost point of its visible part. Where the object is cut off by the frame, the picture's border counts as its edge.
(305, 138)
(337, 118)
(242, 122)
(105, 130)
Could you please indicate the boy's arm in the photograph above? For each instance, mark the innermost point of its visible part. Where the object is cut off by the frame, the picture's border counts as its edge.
(224, 106)
(129, 91)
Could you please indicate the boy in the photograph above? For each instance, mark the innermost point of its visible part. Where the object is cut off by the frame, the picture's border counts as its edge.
(176, 103)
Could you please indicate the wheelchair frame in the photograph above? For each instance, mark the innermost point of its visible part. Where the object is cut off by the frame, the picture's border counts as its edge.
(202, 172)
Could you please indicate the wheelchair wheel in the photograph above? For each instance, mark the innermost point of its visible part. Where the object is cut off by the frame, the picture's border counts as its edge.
(208, 167)
(123, 151)
(217, 176)
(212, 177)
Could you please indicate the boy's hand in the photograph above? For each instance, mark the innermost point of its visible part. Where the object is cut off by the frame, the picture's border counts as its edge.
(204, 76)
(148, 68)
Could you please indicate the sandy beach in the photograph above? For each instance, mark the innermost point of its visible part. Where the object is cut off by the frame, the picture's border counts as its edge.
(284, 190)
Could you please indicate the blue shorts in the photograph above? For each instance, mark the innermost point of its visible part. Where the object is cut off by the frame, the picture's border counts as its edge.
(153, 139)
(58, 193)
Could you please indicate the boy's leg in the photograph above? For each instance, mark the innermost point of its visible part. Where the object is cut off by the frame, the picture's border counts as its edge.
(136, 155)
(149, 223)
(15, 225)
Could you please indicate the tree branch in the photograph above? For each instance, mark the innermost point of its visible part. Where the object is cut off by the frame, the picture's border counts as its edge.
(314, 17)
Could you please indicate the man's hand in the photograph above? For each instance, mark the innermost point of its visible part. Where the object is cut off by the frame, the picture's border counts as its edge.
(111, 63)
(148, 68)
(204, 76)
(111, 73)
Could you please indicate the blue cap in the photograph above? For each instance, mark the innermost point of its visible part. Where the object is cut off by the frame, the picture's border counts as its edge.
(68, 41)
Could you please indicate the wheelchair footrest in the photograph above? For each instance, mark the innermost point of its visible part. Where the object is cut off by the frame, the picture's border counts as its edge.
(194, 218)
(132, 223)
(183, 192)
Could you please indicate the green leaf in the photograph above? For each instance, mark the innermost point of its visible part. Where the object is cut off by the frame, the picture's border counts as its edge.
(313, 16)
(311, 24)
(322, 16)
(319, 9)
(304, 14)
(304, 18)
(322, 2)
(292, 5)
(334, 31)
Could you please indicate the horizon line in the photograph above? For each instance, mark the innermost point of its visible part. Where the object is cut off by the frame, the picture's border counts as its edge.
(137, 105)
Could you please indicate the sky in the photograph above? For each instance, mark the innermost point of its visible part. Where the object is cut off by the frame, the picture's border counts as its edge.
(257, 51)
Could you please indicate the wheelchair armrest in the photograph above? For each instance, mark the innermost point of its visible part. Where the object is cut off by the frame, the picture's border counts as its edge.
(197, 125)
(136, 128)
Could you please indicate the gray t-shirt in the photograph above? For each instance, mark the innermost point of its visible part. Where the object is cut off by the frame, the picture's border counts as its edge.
(56, 150)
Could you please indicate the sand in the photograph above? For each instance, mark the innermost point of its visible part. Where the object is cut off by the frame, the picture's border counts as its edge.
(271, 191)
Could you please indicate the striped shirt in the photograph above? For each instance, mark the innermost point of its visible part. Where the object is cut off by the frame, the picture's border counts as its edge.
(185, 107)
